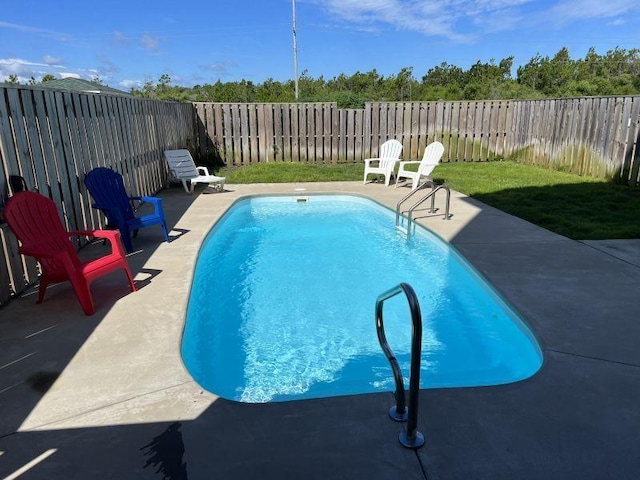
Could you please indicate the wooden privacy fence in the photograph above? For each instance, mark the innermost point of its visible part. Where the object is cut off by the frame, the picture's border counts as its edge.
(587, 136)
(52, 138)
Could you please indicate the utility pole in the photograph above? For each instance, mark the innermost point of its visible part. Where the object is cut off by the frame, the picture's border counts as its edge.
(295, 49)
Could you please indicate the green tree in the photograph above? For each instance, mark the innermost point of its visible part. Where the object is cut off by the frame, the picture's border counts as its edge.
(616, 73)
(551, 76)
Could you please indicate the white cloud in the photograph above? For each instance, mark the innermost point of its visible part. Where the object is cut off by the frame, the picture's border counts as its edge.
(120, 38)
(129, 84)
(465, 20)
(430, 17)
(52, 61)
(150, 42)
(222, 68)
(23, 69)
(62, 37)
(566, 11)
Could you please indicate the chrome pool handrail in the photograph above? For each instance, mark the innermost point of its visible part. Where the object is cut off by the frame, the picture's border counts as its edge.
(434, 188)
(411, 194)
(409, 437)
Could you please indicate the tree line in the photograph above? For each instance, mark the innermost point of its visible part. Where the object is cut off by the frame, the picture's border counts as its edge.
(616, 72)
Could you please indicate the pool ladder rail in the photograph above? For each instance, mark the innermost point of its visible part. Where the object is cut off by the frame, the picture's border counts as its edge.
(410, 437)
(431, 195)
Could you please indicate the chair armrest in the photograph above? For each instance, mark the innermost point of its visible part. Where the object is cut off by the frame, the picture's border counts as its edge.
(156, 201)
(203, 171)
(368, 161)
(111, 235)
(408, 162)
(83, 233)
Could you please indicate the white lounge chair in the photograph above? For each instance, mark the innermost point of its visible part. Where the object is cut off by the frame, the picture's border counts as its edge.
(183, 169)
(385, 164)
(430, 159)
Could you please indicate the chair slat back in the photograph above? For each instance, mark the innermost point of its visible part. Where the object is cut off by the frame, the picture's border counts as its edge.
(34, 219)
(391, 149)
(181, 164)
(107, 188)
(431, 158)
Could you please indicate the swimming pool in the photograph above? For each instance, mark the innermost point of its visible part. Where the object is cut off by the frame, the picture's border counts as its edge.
(282, 305)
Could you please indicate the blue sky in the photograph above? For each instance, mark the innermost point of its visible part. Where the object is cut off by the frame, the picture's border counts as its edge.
(197, 42)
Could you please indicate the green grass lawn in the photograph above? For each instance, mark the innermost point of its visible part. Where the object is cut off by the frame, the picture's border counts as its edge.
(580, 208)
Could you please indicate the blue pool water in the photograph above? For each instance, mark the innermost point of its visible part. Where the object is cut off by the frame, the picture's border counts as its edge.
(282, 305)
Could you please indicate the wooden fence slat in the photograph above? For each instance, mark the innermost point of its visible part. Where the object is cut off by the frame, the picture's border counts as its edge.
(294, 133)
(35, 143)
(634, 145)
(286, 133)
(275, 113)
(252, 121)
(236, 133)
(22, 144)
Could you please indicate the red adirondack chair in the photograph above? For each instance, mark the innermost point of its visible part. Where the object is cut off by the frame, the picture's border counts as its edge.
(34, 219)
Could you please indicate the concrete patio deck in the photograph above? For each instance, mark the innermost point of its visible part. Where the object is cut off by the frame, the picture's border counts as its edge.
(107, 396)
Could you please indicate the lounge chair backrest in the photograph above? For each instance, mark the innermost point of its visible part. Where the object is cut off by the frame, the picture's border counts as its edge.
(181, 164)
(34, 219)
(431, 158)
(107, 188)
(391, 149)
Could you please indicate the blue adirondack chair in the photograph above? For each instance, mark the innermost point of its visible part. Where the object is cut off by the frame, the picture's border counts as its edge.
(106, 186)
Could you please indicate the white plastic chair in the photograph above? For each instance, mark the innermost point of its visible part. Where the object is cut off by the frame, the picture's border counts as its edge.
(430, 159)
(385, 164)
(183, 169)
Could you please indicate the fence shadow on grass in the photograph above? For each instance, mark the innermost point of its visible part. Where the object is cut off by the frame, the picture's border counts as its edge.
(580, 211)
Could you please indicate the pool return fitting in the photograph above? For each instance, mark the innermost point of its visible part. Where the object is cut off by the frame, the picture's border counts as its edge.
(410, 437)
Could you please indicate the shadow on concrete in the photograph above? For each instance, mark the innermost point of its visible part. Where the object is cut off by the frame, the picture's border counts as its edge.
(30, 356)
(342, 438)
(576, 419)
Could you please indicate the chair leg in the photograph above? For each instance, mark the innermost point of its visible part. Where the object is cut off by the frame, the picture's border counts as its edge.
(165, 231)
(83, 292)
(129, 277)
(125, 236)
(41, 289)
(186, 186)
